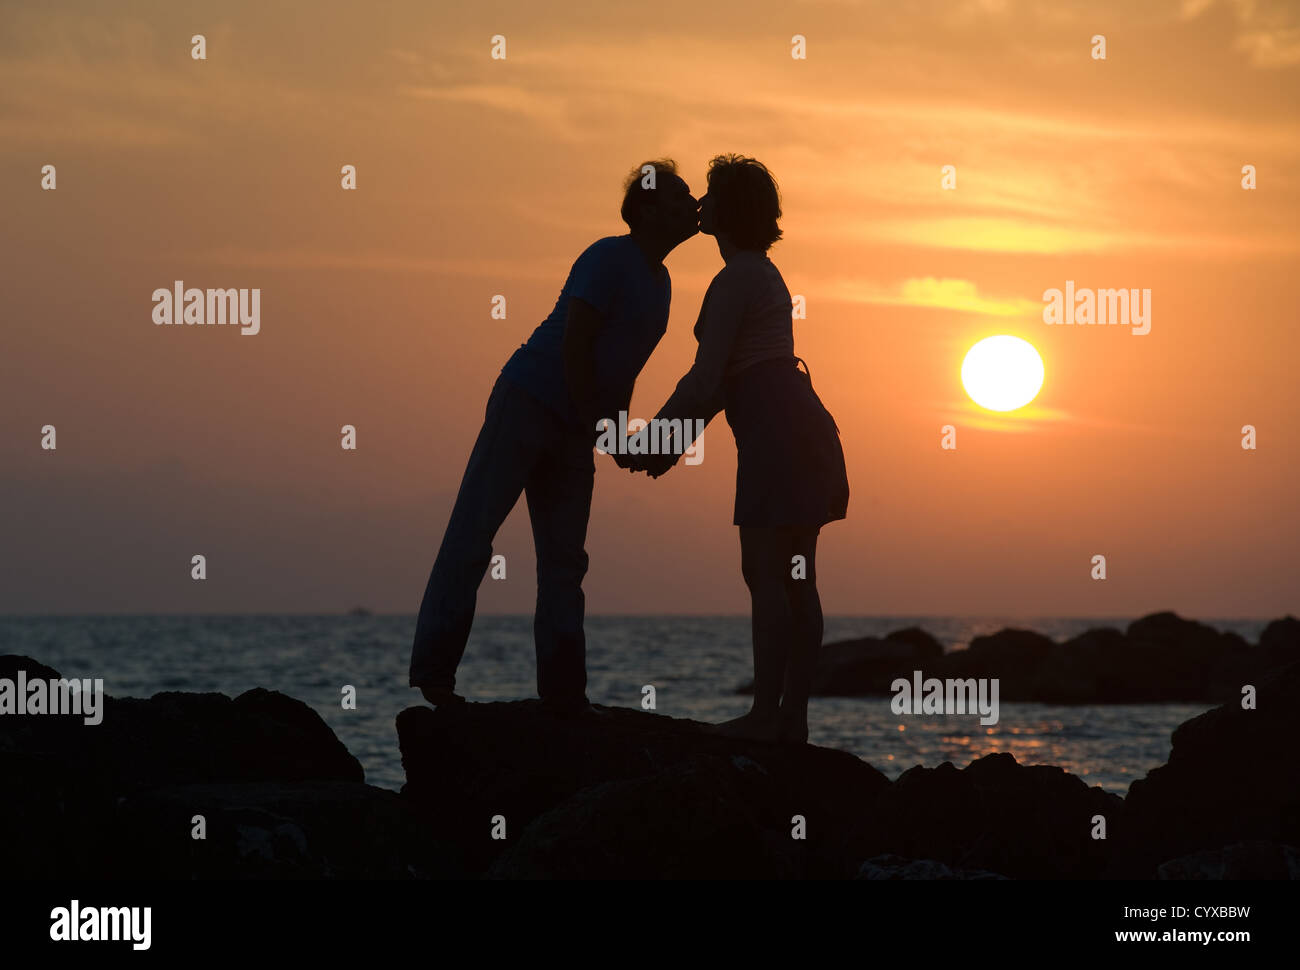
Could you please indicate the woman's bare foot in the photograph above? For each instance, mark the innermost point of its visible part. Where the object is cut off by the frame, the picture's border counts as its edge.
(793, 734)
(792, 729)
(750, 727)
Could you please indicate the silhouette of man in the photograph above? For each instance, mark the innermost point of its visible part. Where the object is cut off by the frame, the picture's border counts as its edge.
(538, 436)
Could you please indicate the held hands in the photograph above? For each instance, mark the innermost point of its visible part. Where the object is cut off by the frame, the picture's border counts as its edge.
(653, 465)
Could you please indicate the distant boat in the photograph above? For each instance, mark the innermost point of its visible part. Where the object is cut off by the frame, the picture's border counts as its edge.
(359, 611)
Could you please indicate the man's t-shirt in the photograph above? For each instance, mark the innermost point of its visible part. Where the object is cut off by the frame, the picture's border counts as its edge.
(613, 276)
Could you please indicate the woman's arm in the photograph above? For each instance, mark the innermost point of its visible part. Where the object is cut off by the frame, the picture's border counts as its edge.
(698, 395)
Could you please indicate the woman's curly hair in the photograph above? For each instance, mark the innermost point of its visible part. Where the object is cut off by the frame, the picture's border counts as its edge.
(746, 201)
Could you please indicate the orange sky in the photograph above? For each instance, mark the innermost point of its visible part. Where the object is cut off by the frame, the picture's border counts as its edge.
(478, 177)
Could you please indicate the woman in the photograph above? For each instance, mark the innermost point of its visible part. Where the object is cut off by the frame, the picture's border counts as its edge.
(790, 476)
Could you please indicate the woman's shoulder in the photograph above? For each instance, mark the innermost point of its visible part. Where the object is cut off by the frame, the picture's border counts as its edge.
(756, 277)
(744, 268)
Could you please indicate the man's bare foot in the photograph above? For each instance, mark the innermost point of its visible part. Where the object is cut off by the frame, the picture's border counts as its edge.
(750, 727)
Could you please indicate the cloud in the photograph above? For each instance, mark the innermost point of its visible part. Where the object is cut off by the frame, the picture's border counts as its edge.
(1268, 31)
(947, 294)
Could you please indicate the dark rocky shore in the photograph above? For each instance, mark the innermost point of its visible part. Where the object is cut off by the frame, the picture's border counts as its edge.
(1160, 658)
(625, 794)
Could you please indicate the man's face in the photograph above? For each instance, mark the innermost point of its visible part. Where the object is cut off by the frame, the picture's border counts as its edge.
(675, 209)
(706, 214)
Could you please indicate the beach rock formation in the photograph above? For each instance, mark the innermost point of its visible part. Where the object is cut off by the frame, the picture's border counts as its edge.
(280, 795)
(1158, 658)
(512, 791)
(1021, 821)
(1281, 641)
(868, 665)
(628, 794)
(1244, 860)
(1232, 776)
(634, 795)
(896, 868)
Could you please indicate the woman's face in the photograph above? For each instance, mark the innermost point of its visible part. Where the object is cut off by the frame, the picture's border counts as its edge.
(706, 214)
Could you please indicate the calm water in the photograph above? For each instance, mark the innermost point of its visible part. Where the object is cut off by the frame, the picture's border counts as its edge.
(695, 664)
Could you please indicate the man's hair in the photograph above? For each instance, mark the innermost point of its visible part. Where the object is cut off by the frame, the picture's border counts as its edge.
(746, 201)
(634, 196)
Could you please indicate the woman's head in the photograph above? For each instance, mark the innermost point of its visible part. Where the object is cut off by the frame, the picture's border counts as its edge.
(742, 203)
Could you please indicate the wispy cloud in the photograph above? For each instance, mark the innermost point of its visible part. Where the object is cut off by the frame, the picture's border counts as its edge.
(947, 294)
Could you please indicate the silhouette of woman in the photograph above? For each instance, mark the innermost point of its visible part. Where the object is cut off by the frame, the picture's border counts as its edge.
(790, 474)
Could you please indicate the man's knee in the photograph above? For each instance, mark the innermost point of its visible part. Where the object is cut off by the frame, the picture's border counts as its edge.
(562, 573)
(463, 557)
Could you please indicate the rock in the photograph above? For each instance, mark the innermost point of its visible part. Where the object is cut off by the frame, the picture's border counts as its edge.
(1169, 630)
(1232, 776)
(467, 763)
(868, 665)
(892, 867)
(1280, 641)
(181, 738)
(626, 793)
(1012, 656)
(704, 818)
(1023, 821)
(66, 779)
(1174, 659)
(1161, 658)
(304, 830)
(924, 646)
(1085, 669)
(1245, 860)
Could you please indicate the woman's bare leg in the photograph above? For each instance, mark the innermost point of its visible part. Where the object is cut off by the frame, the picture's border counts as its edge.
(765, 563)
(806, 627)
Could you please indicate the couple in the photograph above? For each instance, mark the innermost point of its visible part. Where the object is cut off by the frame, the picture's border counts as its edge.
(549, 405)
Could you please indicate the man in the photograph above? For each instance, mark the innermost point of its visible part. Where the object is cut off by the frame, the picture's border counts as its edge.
(538, 435)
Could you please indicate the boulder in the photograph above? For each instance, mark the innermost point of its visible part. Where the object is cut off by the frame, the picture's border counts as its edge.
(1280, 642)
(896, 868)
(868, 665)
(274, 830)
(1090, 668)
(1232, 776)
(77, 792)
(1244, 860)
(1174, 659)
(469, 763)
(704, 818)
(1160, 658)
(1022, 821)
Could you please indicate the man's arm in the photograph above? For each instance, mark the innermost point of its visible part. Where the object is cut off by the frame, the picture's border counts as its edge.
(581, 328)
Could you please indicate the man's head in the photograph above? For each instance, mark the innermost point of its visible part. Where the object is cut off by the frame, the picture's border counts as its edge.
(742, 204)
(658, 204)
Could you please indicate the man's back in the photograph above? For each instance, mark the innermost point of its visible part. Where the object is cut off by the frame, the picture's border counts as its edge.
(612, 275)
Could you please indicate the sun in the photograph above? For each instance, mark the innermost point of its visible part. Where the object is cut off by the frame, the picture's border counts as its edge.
(1002, 373)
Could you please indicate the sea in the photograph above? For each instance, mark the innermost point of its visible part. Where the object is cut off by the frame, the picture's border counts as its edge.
(694, 663)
